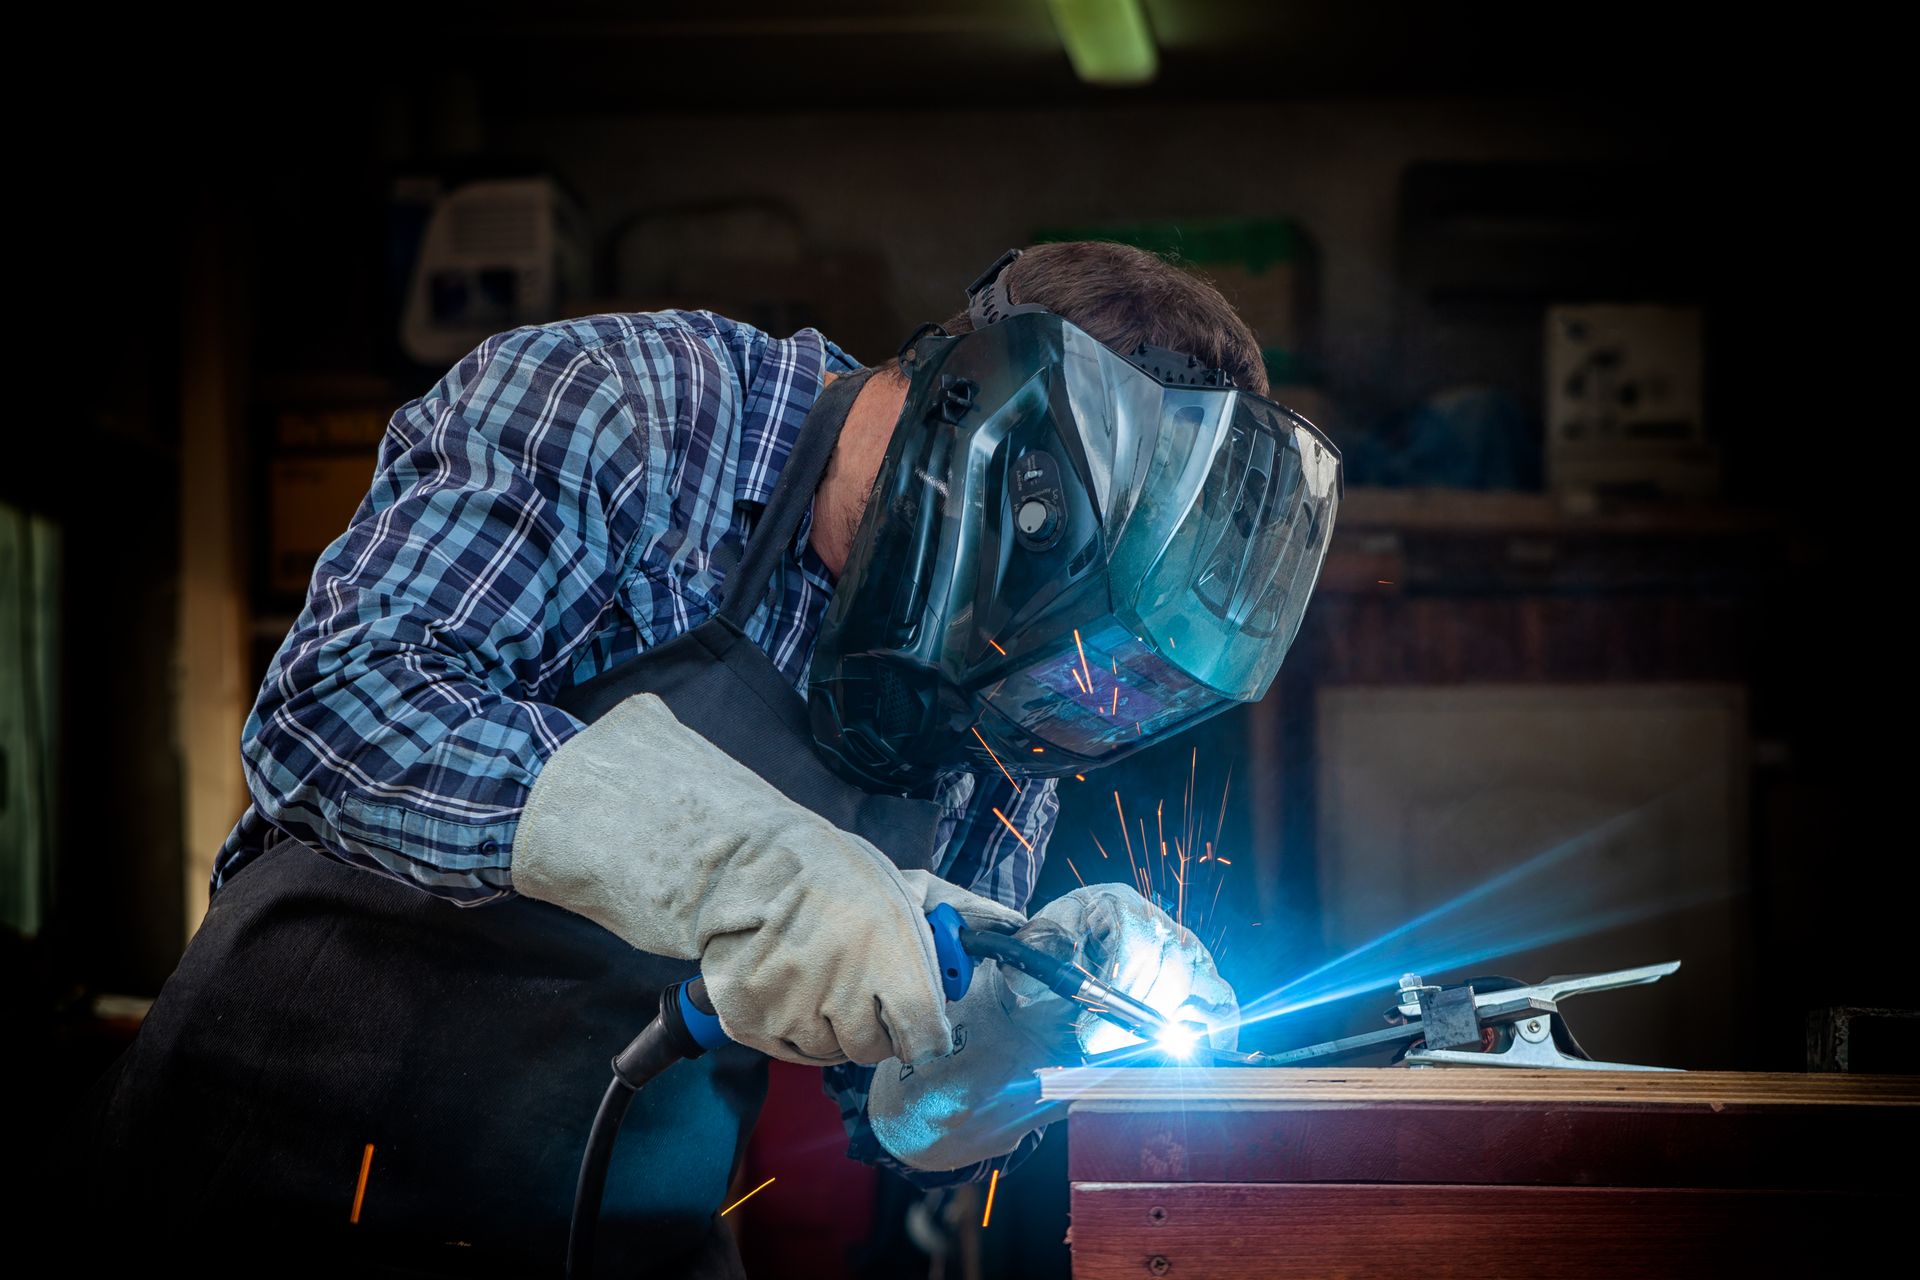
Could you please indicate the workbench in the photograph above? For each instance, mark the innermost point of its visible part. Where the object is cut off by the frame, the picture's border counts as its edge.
(1279, 1172)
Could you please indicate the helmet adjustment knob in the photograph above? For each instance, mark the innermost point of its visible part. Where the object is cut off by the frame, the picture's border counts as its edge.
(1039, 506)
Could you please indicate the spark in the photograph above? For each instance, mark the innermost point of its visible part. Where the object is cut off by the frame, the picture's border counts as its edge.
(1082, 683)
(1221, 821)
(1076, 873)
(993, 1184)
(1096, 844)
(1186, 807)
(1083, 658)
(1079, 777)
(1225, 862)
(1002, 652)
(1016, 831)
(1385, 582)
(996, 761)
(1039, 751)
(360, 1188)
(743, 1199)
(1116, 700)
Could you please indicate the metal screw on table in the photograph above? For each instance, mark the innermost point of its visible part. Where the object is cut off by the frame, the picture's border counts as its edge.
(1156, 1215)
(1158, 1265)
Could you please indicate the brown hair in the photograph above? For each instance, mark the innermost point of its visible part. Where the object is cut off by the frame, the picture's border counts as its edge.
(1126, 296)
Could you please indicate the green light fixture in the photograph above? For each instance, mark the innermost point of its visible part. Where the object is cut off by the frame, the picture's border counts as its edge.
(1108, 41)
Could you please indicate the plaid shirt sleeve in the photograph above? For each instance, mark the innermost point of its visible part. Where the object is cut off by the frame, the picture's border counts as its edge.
(399, 727)
(985, 856)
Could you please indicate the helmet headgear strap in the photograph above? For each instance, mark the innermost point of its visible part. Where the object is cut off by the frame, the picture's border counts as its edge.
(987, 300)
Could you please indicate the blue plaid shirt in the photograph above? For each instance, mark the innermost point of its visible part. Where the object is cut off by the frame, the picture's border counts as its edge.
(556, 504)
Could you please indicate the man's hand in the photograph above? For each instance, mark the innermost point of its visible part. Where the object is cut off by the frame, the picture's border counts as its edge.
(814, 946)
(980, 1100)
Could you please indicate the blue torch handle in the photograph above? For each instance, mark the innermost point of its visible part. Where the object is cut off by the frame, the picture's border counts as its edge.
(956, 966)
(701, 1023)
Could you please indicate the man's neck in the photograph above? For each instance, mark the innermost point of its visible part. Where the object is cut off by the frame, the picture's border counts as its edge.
(841, 498)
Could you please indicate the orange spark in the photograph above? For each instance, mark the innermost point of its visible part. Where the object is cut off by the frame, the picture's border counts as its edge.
(996, 761)
(743, 1199)
(993, 1184)
(1076, 873)
(1147, 858)
(1079, 777)
(1009, 826)
(360, 1188)
(1082, 683)
(1102, 848)
(1116, 700)
(1225, 862)
(1083, 657)
(1002, 652)
(1039, 751)
(1222, 821)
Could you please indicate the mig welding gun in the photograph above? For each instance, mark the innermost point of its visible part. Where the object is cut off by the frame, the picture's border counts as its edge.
(688, 1027)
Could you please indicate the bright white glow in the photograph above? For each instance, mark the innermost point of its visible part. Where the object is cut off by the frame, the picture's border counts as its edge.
(1154, 973)
(1178, 1039)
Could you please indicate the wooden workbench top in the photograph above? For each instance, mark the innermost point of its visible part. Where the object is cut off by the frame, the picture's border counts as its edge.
(1266, 1088)
(1295, 1174)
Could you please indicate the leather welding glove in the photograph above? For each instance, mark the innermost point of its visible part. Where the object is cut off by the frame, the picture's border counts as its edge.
(814, 946)
(1129, 943)
(980, 1100)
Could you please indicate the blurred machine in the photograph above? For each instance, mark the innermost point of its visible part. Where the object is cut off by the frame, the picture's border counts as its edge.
(495, 255)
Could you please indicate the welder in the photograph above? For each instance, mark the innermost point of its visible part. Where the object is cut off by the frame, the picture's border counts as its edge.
(661, 644)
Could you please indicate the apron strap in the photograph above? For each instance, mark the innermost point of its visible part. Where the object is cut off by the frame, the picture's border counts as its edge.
(746, 586)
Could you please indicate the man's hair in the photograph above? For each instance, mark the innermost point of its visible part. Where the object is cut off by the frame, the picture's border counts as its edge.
(1125, 296)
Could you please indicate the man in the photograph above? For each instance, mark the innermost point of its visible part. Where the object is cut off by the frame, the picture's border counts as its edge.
(536, 748)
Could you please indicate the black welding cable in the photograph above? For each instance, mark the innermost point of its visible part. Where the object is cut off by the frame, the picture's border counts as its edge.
(593, 1175)
(661, 1043)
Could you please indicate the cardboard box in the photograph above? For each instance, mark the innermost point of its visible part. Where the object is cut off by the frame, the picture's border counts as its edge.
(1624, 408)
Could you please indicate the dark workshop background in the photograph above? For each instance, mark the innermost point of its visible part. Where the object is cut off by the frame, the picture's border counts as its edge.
(1604, 311)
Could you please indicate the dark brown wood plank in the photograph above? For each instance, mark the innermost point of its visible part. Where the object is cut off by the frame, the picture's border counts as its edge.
(1524, 1144)
(1199, 1231)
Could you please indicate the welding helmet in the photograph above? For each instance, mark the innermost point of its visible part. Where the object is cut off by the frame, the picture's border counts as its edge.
(1069, 553)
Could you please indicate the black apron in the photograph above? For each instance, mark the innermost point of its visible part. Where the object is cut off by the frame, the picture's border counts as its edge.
(321, 1008)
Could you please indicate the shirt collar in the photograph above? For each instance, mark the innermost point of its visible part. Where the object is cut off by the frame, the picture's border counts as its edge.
(786, 381)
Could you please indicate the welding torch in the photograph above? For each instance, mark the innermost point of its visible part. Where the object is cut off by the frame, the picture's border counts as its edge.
(687, 1027)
